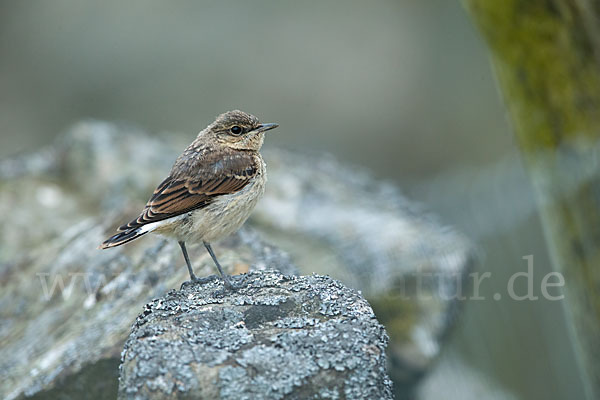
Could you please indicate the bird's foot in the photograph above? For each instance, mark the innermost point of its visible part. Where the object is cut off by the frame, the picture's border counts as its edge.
(204, 279)
(198, 281)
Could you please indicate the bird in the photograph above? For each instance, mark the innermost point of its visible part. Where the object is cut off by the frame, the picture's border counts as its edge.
(211, 190)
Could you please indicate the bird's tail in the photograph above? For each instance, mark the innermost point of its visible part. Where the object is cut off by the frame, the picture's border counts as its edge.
(123, 237)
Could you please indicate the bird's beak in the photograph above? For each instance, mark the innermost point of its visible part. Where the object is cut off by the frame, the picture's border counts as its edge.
(265, 127)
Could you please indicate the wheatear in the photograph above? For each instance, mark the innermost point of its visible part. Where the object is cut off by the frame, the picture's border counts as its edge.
(211, 190)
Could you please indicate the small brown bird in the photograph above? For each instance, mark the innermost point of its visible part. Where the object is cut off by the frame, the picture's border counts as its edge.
(211, 190)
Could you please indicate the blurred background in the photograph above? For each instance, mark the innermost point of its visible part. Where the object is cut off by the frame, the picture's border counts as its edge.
(402, 88)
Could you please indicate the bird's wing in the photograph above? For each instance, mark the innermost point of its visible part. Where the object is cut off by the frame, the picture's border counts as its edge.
(197, 187)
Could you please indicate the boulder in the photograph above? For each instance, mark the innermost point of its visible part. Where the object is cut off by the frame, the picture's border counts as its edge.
(276, 337)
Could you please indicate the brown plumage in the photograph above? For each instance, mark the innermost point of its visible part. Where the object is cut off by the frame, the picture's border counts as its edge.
(211, 189)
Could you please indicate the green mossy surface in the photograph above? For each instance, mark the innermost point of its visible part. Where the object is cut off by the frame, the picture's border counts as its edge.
(545, 55)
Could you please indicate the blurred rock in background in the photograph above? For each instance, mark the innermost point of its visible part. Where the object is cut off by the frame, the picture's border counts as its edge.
(332, 218)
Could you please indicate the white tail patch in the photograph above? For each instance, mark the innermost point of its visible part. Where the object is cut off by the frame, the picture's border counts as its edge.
(154, 225)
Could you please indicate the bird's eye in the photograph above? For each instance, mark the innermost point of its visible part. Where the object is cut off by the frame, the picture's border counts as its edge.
(236, 130)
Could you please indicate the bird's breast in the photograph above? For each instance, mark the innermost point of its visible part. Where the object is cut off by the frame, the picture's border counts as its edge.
(226, 213)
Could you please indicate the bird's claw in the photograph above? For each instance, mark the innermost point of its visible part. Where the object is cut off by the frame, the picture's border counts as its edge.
(200, 281)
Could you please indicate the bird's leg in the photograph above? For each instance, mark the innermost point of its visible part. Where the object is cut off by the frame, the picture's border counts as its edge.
(226, 280)
(193, 277)
(187, 261)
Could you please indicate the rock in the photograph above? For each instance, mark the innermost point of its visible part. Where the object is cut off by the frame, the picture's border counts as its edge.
(59, 203)
(67, 308)
(277, 337)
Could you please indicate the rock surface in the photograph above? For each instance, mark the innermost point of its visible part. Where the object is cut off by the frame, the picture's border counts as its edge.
(67, 309)
(58, 204)
(277, 337)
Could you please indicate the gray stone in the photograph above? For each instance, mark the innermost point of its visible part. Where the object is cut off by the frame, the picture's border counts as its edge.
(68, 307)
(277, 337)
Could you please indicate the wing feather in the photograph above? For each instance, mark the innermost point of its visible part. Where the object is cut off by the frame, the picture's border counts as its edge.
(195, 188)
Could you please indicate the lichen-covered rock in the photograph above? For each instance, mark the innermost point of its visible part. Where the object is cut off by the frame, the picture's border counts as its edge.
(67, 308)
(277, 337)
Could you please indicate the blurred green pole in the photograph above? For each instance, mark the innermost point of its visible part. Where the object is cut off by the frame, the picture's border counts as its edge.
(545, 55)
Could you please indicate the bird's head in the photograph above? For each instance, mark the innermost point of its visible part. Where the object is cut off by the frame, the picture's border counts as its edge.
(238, 130)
